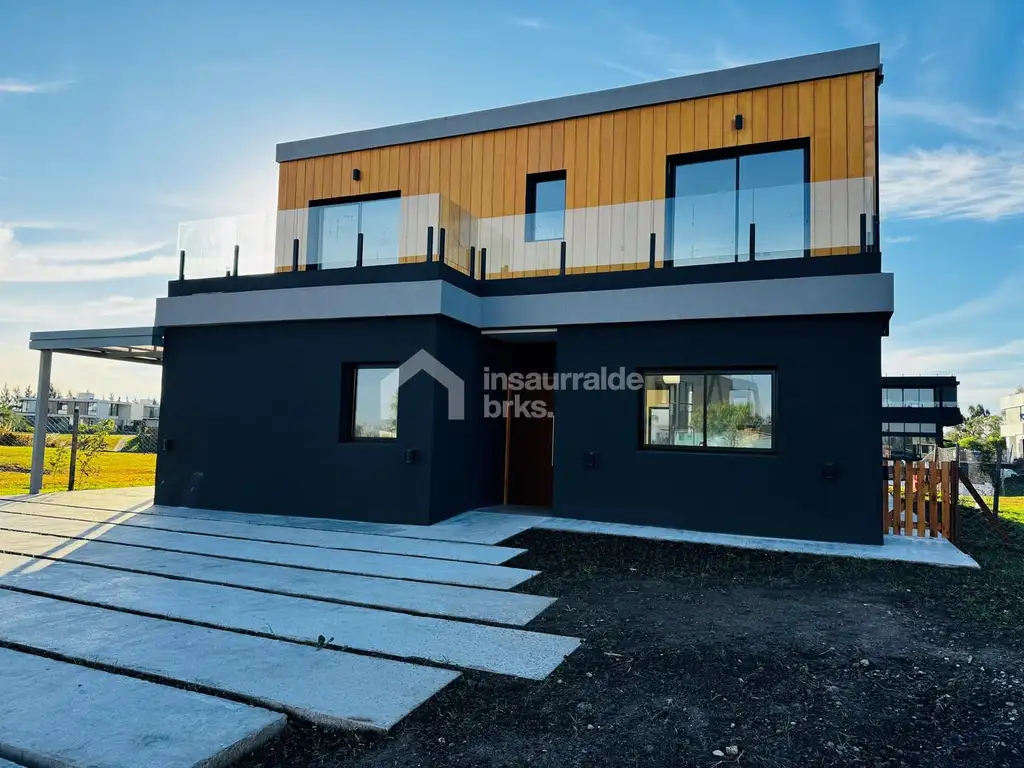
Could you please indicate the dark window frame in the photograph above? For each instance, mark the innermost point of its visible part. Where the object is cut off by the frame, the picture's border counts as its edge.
(532, 180)
(349, 392)
(706, 372)
(314, 229)
(734, 153)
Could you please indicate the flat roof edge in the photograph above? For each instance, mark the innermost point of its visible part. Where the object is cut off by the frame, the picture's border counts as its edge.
(96, 337)
(813, 66)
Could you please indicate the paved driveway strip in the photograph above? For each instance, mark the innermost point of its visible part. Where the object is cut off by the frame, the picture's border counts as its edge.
(344, 561)
(63, 715)
(324, 686)
(395, 545)
(490, 605)
(474, 646)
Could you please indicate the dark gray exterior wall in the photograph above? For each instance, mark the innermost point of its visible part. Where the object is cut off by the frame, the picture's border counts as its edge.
(827, 409)
(255, 416)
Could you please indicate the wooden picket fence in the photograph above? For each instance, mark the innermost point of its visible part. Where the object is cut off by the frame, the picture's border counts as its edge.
(920, 498)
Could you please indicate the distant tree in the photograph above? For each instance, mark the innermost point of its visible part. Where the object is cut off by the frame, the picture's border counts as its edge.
(29, 393)
(1019, 390)
(974, 411)
(54, 392)
(7, 397)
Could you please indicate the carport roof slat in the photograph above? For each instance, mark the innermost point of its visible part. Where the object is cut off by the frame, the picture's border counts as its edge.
(139, 344)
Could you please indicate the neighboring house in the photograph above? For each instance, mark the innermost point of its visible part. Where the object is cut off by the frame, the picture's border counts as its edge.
(914, 411)
(126, 415)
(1012, 428)
(714, 236)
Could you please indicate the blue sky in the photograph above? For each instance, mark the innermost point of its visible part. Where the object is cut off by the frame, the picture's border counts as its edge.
(118, 120)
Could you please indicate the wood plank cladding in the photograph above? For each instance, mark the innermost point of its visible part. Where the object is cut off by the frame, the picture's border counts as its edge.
(612, 158)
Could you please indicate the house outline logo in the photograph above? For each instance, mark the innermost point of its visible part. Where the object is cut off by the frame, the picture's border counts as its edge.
(425, 362)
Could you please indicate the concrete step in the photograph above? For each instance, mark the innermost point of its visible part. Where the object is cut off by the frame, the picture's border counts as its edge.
(452, 643)
(328, 687)
(61, 715)
(489, 605)
(343, 561)
(395, 545)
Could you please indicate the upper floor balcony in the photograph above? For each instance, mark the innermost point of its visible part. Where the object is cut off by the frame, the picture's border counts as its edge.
(735, 226)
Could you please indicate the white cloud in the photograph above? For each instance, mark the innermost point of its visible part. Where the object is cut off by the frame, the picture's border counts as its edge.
(633, 72)
(953, 183)
(10, 85)
(899, 239)
(109, 311)
(995, 305)
(80, 260)
(528, 22)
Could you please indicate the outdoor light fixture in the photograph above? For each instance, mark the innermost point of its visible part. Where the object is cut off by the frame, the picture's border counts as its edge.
(738, 122)
(355, 174)
(670, 378)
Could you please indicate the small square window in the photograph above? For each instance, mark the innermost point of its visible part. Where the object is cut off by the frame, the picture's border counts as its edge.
(374, 403)
(545, 206)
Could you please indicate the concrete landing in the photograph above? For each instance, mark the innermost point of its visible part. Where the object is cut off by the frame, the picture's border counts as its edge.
(504, 650)
(442, 550)
(344, 561)
(6, 764)
(495, 606)
(328, 687)
(58, 714)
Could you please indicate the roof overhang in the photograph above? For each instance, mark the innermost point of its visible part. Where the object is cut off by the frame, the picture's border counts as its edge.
(816, 66)
(136, 345)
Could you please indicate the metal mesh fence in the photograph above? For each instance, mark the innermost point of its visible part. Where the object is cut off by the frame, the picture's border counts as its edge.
(101, 453)
(993, 514)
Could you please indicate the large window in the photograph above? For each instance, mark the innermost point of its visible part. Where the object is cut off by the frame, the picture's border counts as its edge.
(374, 403)
(688, 409)
(545, 206)
(913, 397)
(714, 203)
(335, 231)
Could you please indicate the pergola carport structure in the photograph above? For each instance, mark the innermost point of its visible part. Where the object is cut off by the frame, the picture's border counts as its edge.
(136, 345)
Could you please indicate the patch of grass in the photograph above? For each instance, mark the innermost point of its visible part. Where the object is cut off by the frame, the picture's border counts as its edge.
(114, 470)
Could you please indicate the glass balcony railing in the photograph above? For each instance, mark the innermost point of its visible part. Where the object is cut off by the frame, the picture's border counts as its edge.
(768, 223)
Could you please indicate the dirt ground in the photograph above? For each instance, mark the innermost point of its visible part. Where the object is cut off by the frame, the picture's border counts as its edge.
(701, 656)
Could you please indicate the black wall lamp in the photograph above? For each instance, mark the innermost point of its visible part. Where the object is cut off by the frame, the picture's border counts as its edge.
(737, 122)
(356, 174)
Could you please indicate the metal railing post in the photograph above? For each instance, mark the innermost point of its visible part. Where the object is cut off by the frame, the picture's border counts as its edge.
(752, 244)
(654, 250)
(483, 263)
(875, 233)
(295, 254)
(74, 450)
(430, 244)
(561, 259)
(234, 269)
(440, 244)
(863, 233)
(472, 261)
(359, 249)
(181, 265)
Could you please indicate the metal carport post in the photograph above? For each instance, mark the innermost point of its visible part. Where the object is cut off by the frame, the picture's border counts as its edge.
(137, 345)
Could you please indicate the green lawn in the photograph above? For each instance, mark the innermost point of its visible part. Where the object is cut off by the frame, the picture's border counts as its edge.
(113, 470)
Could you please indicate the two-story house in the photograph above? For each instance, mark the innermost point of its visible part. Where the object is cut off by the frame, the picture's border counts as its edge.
(658, 304)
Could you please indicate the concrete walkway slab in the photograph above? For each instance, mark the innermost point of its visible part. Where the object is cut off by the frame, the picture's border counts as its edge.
(114, 499)
(443, 550)
(323, 686)
(939, 552)
(58, 714)
(6, 764)
(345, 561)
(494, 606)
(504, 650)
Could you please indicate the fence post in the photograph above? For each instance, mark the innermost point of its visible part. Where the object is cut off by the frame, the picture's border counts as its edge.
(295, 254)
(74, 450)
